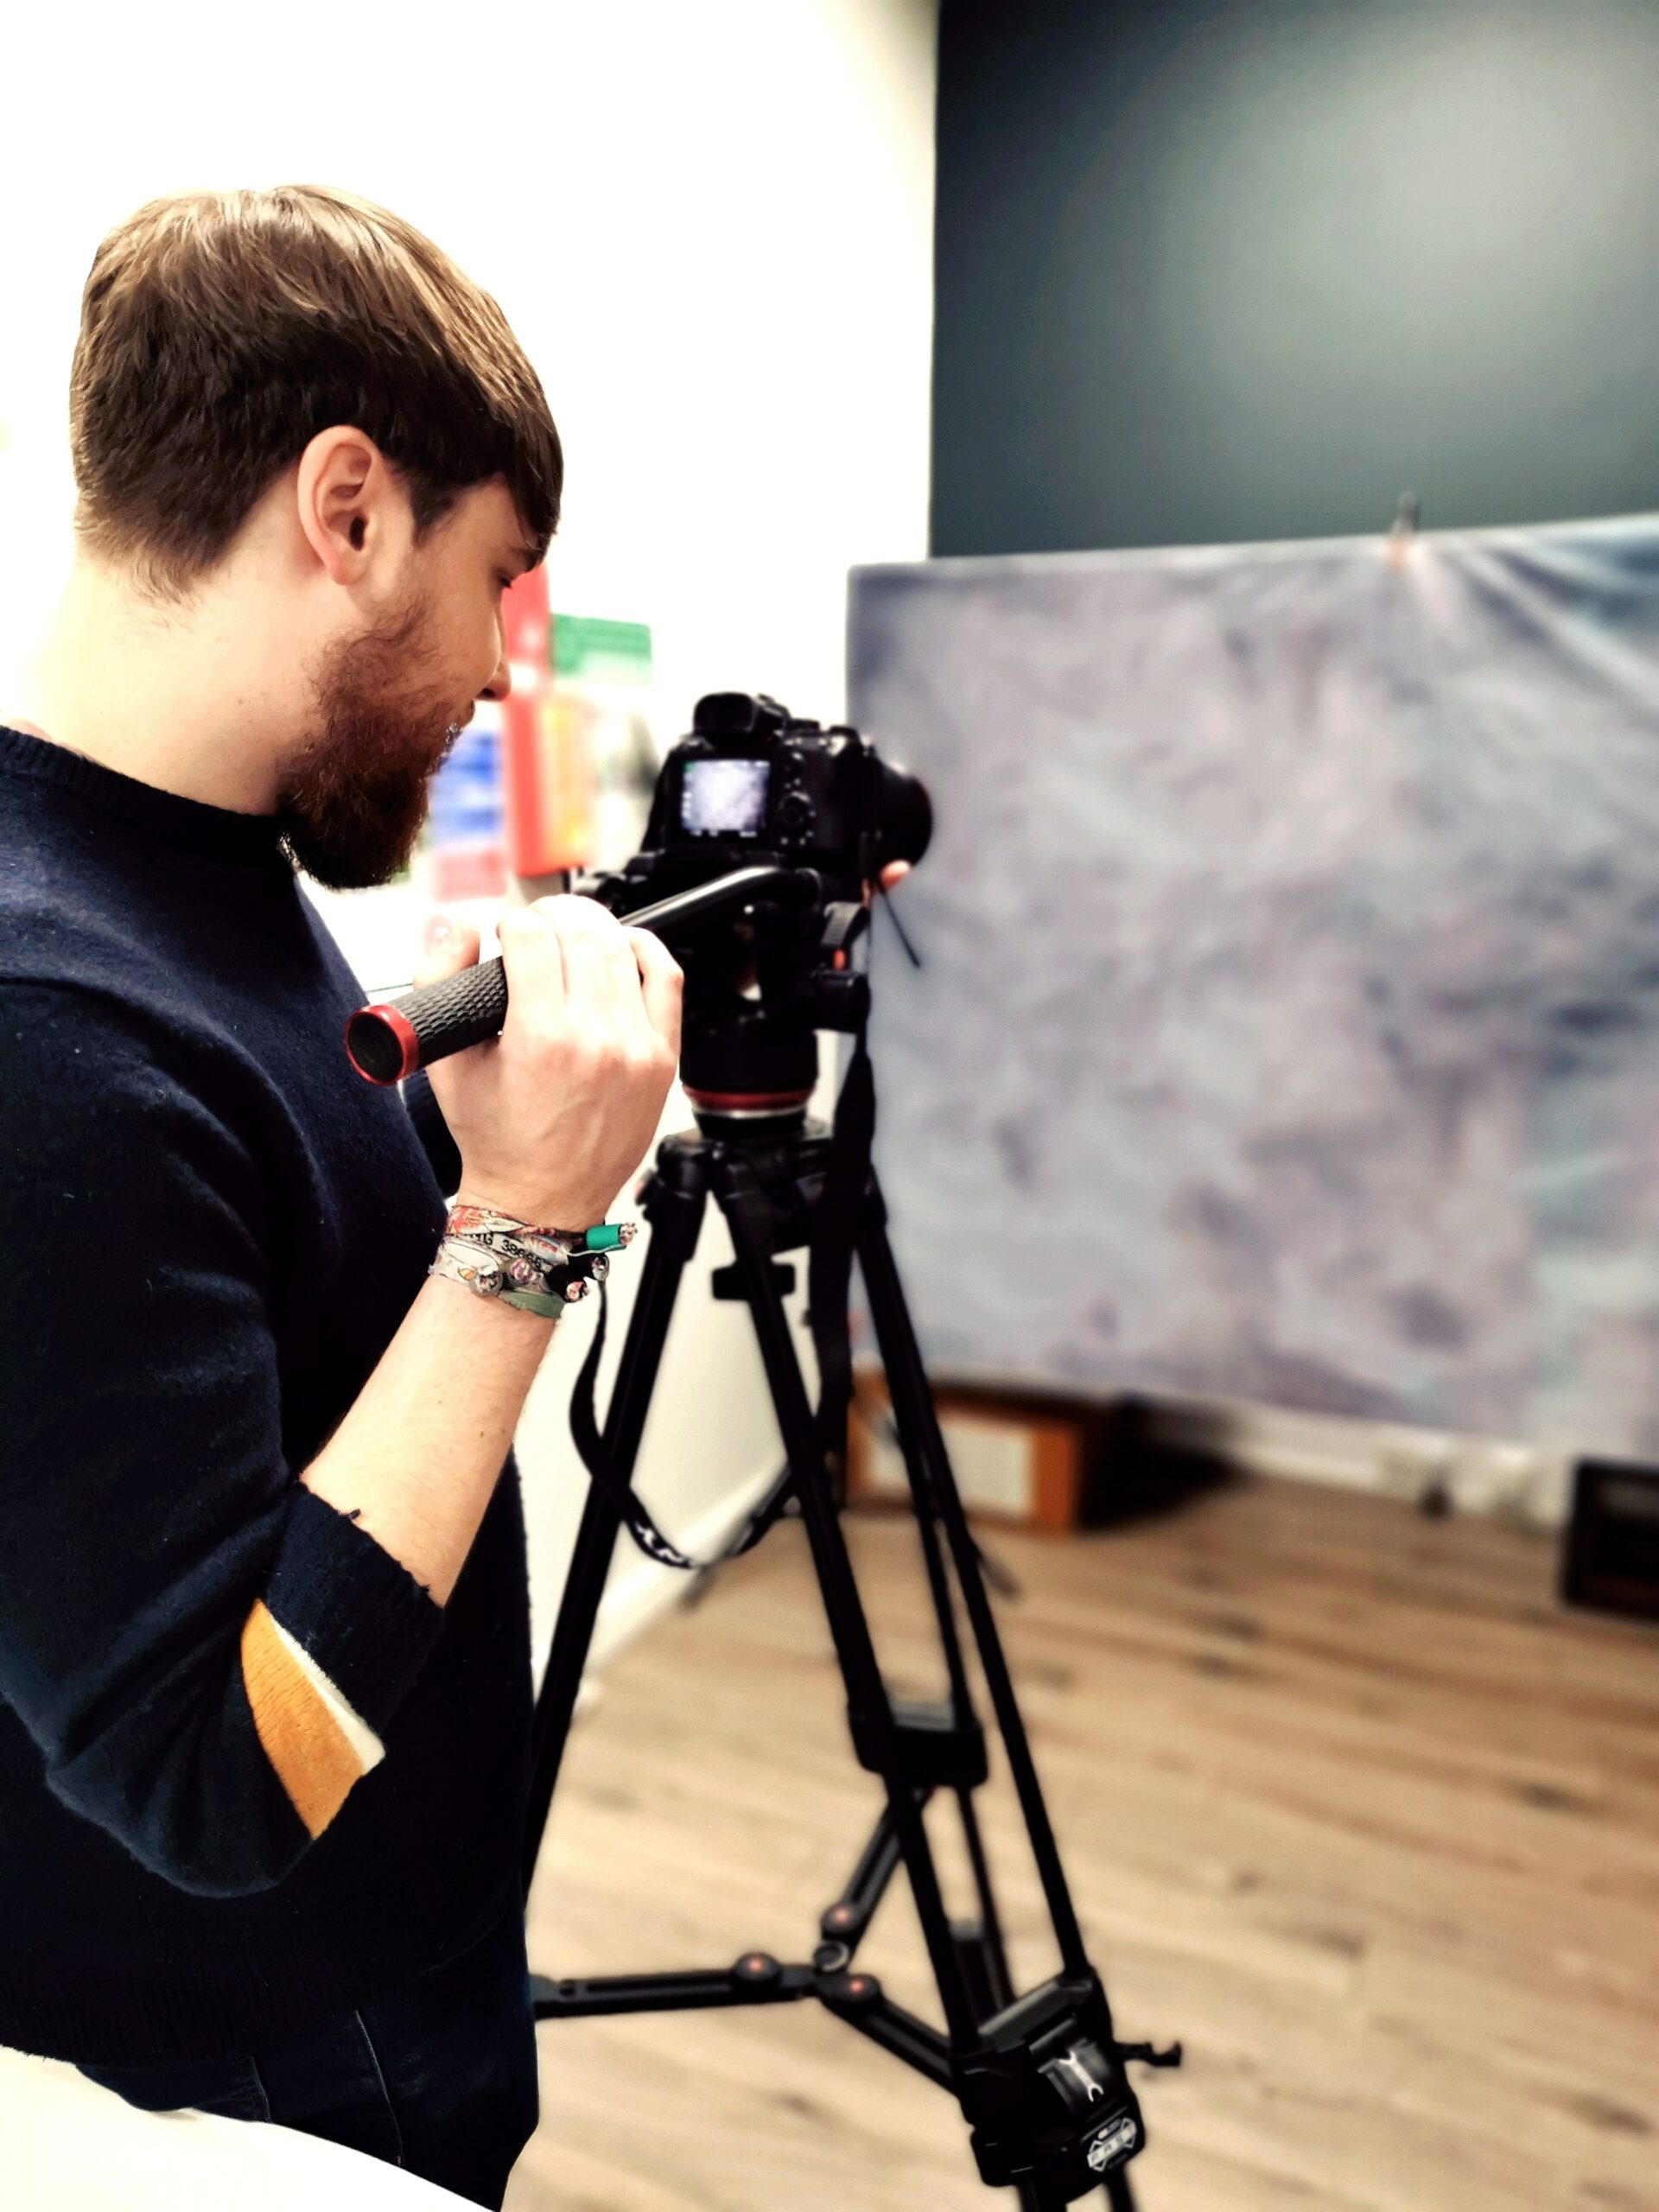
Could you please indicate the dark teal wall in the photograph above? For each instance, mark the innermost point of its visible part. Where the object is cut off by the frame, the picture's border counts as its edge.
(1213, 270)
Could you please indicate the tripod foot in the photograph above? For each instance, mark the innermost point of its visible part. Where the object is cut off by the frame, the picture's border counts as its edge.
(1115, 2189)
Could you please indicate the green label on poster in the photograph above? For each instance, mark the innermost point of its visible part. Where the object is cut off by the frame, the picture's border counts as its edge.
(606, 652)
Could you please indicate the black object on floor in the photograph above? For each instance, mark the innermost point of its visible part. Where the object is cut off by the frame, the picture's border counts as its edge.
(1610, 1552)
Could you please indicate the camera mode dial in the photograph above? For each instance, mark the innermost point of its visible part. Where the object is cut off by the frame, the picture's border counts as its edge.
(795, 814)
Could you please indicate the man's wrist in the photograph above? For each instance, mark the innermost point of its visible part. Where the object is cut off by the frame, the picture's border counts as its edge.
(538, 1327)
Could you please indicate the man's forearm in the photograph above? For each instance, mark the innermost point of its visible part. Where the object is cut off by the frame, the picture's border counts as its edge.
(417, 1458)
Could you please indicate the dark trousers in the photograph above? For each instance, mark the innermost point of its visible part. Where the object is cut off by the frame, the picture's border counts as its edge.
(440, 2078)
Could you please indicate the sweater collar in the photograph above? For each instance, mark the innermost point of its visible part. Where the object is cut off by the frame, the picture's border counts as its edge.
(217, 831)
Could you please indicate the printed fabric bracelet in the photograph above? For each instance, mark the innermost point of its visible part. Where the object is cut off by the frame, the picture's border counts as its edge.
(538, 1270)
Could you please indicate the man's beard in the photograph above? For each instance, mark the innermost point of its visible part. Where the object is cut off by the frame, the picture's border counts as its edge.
(356, 796)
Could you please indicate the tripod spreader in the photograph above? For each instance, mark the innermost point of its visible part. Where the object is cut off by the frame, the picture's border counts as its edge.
(845, 1921)
(755, 1978)
(1048, 2102)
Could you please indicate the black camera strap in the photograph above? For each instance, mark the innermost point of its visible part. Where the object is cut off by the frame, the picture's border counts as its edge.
(603, 1470)
(828, 1286)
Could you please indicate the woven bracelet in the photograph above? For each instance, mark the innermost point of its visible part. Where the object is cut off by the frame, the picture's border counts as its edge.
(538, 1270)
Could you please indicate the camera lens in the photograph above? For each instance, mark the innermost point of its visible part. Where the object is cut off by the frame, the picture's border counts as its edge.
(905, 823)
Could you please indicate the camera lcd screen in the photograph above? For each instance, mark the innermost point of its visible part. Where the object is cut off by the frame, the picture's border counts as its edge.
(723, 799)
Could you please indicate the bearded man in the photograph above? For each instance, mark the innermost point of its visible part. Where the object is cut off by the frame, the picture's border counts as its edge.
(264, 1666)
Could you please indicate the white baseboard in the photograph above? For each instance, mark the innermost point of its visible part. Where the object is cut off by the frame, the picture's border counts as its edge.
(1472, 1474)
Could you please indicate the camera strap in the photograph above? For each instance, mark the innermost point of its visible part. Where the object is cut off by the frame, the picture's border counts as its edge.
(828, 1285)
(603, 1470)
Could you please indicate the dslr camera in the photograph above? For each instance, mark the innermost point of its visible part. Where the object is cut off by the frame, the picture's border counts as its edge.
(807, 817)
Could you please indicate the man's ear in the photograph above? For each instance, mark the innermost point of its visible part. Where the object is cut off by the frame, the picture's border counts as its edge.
(348, 500)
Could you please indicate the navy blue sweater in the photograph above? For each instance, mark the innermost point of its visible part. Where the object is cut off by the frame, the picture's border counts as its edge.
(251, 1775)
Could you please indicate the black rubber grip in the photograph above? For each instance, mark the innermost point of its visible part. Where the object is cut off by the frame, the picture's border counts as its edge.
(464, 1009)
(387, 1043)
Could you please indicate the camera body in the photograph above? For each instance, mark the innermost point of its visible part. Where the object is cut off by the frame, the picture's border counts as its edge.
(753, 785)
(752, 781)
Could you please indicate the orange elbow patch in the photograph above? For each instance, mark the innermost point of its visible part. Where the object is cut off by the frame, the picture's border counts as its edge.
(318, 1747)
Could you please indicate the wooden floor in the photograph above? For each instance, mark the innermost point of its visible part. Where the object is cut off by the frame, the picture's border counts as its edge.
(1347, 1804)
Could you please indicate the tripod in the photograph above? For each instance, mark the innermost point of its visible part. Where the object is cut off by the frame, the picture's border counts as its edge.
(1039, 2077)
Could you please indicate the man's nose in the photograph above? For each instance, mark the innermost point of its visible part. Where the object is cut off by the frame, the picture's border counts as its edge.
(500, 681)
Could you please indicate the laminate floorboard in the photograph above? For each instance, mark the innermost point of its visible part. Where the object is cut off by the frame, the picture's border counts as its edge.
(1348, 1805)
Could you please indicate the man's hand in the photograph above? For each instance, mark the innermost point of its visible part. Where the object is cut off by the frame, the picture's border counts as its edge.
(552, 1117)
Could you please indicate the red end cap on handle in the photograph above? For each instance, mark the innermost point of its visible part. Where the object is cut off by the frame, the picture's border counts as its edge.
(381, 1045)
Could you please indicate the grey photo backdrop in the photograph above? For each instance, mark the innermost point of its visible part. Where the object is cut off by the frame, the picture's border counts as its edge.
(1290, 1025)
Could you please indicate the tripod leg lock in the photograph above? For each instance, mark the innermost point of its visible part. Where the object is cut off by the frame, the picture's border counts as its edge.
(920, 1744)
(731, 1284)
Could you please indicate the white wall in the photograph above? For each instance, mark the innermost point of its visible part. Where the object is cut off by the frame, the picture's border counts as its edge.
(710, 221)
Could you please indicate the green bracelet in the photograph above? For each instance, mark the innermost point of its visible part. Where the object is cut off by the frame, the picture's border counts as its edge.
(535, 1302)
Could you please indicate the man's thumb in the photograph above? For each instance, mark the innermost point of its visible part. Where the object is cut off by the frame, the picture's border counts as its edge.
(447, 947)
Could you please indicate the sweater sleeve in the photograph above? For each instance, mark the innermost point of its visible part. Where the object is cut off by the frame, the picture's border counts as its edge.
(206, 1652)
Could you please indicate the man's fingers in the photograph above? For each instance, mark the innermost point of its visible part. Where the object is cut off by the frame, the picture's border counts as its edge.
(594, 951)
(628, 975)
(534, 961)
(447, 947)
(662, 983)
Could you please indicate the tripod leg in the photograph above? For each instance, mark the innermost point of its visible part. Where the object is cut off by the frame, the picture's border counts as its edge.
(912, 1406)
(675, 1212)
(870, 1710)
(962, 1704)
(998, 1981)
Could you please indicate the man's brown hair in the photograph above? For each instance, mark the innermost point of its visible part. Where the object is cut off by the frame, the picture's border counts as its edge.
(220, 331)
